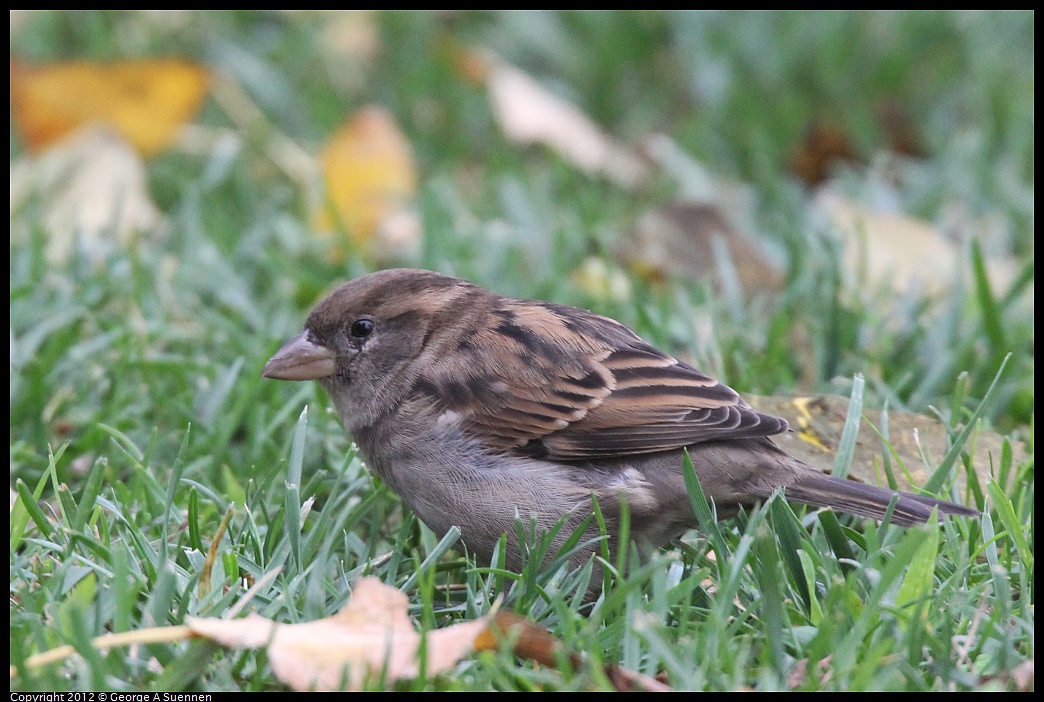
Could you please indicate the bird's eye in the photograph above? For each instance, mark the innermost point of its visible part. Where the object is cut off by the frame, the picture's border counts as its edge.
(361, 328)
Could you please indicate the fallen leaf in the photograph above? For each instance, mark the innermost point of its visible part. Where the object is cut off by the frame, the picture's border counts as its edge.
(145, 101)
(530, 114)
(532, 642)
(371, 183)
(899, 129)
(370, 638)
(352, 36)
(601, 280)
(92, 193)
(825, 145)
(695, 241)
(894, 249)
(828, 142)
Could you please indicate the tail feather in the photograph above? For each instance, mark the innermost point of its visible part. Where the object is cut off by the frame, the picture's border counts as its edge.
(821, 490)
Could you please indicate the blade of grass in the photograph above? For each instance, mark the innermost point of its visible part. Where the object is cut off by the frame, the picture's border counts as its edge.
(767, 571)
(20, 515)
(942, 473)
(1021, 283)
(91, 489)
(992, 322)
(704, 512)
(445, 544)
(918, 583)
(292, 501)
(1006, 512)
(846, 446)
(835, 536)
(177, 469)
(789, 532)
(886, 449)
(32, 508)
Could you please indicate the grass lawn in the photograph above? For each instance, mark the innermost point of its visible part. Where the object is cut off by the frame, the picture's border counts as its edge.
(139, 420)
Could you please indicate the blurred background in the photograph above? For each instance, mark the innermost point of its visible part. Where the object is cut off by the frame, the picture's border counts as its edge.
(784, 198)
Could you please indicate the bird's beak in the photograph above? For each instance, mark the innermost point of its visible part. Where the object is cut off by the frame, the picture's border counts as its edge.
(301, 359)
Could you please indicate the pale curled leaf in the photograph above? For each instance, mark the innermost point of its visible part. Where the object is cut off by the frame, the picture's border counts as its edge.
(93, 191)
(529, 114)
(892, 248)
(371, 635)
(373, 639)
(352, 38)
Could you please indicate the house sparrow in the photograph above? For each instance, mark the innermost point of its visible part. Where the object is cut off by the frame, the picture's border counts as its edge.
(477, 409)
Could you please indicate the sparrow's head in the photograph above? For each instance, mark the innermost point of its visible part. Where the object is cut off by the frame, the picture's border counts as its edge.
(369, 340)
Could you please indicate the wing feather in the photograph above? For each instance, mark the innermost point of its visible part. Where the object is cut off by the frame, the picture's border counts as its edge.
(581, 386)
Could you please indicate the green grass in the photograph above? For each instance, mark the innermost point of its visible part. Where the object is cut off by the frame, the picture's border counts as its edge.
(138, 417)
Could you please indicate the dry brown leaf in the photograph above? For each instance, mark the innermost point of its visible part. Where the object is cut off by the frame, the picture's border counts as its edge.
(92, 192)
(901, 134)
(371, 182)
(689, 240)
(371, 635)
(146, 101)
(828, 142)
(532, 642)
(207, 571)
(530, 114)
(900, 251)
(825, 145)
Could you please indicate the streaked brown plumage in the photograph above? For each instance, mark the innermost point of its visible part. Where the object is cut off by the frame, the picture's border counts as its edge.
(476, 408)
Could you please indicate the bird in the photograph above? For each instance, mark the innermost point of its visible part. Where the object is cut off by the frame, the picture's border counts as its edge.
(479, 410)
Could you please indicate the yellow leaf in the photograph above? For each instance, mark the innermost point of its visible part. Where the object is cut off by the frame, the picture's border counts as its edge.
(601, 280)
(370, 183)
(146, 101)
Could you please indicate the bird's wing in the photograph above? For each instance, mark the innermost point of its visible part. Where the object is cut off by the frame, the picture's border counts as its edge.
(546, 381)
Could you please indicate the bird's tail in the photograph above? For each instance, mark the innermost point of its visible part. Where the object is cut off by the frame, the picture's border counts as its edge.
(822, 490)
